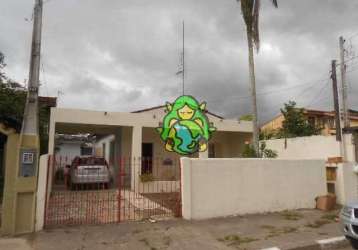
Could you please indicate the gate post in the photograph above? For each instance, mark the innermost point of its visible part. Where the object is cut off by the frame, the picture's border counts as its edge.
(119, 183)
(42, 192)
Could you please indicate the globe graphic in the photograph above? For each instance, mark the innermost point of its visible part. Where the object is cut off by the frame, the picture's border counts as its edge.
(185, 136)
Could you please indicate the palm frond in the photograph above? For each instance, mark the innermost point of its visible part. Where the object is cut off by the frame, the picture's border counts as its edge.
(251, 12)
(255, 24)
(274, 2)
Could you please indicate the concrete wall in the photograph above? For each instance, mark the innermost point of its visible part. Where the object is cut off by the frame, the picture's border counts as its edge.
(66, 153)
(311, 147)
(224, 187)
(18, 208)
(322, 147)
(107, 142)
(42, 193)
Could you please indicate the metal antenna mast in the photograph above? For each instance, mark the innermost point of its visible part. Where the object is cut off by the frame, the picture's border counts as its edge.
(183, 62)
(182, 65)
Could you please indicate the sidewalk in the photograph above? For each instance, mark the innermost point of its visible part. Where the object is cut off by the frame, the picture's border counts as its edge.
(285, 230)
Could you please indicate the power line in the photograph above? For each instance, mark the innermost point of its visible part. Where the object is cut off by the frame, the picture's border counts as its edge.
(317, 97)
(352, 36)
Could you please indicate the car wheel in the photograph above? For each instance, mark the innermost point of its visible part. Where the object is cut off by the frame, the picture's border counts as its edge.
(354, 243)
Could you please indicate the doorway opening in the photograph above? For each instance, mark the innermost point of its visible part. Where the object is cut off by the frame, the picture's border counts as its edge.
(147, 158)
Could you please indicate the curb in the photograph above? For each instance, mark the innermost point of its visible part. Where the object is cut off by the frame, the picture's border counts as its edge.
(331, 243)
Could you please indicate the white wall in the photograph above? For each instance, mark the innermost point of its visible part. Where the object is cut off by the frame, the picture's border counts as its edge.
(224, 187)
(311, 147)
(41, 192)
(67, 151)
(107, 141)
(322, 147)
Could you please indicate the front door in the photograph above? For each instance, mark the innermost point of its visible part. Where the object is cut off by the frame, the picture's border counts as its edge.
(147, 157)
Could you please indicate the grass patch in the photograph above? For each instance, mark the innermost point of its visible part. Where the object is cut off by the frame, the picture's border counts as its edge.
(291, 215)
(146, 242)
(274, 232)
(318, 223)
(269, 227)
(137, 231)
(329, 216)
(236, 240)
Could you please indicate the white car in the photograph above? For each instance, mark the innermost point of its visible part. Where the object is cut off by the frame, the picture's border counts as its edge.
(89, 170)
(349, 223)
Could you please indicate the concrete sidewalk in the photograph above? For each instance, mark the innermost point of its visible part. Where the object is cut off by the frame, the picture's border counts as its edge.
(286, 230)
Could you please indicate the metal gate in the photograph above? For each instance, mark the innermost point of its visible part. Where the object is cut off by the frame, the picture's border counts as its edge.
(137, 189)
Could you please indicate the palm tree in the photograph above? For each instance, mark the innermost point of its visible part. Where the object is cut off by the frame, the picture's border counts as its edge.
(250, 11)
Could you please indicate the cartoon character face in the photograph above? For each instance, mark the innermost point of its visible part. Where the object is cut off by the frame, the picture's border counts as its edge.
(186, 128)
(185, 113)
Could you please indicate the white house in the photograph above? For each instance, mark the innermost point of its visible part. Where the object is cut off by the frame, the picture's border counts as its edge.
(133, 135)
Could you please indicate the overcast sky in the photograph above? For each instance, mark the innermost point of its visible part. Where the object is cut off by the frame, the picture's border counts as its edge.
(123, 55)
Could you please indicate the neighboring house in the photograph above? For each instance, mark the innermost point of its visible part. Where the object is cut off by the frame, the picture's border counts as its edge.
(324, 120)
(67, 147)
(134, 135)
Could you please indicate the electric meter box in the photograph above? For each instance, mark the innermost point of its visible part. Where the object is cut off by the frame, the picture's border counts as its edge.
(28, 162)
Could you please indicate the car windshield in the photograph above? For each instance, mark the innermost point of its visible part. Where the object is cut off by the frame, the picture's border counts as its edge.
(92, 161)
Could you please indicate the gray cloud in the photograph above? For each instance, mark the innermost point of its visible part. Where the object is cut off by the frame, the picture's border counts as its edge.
(123, 55)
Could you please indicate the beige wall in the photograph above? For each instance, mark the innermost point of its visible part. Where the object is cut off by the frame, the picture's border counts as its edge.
(42, 193)
(321, 147)
(244, 186)
(274, 124)
(229, 144)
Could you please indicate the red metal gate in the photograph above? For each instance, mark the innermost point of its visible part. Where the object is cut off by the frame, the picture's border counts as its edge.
(133, 192)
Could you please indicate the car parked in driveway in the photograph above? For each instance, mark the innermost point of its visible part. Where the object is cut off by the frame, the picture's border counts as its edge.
(349, 223)
(89, 170)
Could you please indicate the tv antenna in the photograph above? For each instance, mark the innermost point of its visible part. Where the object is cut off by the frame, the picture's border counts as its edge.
(182, 65)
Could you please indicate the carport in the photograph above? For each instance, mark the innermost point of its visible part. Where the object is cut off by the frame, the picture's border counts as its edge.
(137, 194)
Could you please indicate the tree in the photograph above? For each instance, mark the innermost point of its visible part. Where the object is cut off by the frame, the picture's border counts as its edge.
(12, 105)
(250, 11)
(2, 66)
(249, 152)
(295, 123)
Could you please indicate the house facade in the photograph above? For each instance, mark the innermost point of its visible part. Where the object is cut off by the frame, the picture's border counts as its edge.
(124, 135)
(324, 120)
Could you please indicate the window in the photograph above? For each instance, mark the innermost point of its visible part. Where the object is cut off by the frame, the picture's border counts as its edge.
(147, 156)
(86, 151)
(330, 122)
(104, 149)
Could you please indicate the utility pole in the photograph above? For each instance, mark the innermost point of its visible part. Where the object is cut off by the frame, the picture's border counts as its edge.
(337, 112)
(30, 124)
(343, 83)
(29, 137)
(21, 186)
(338, 117)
